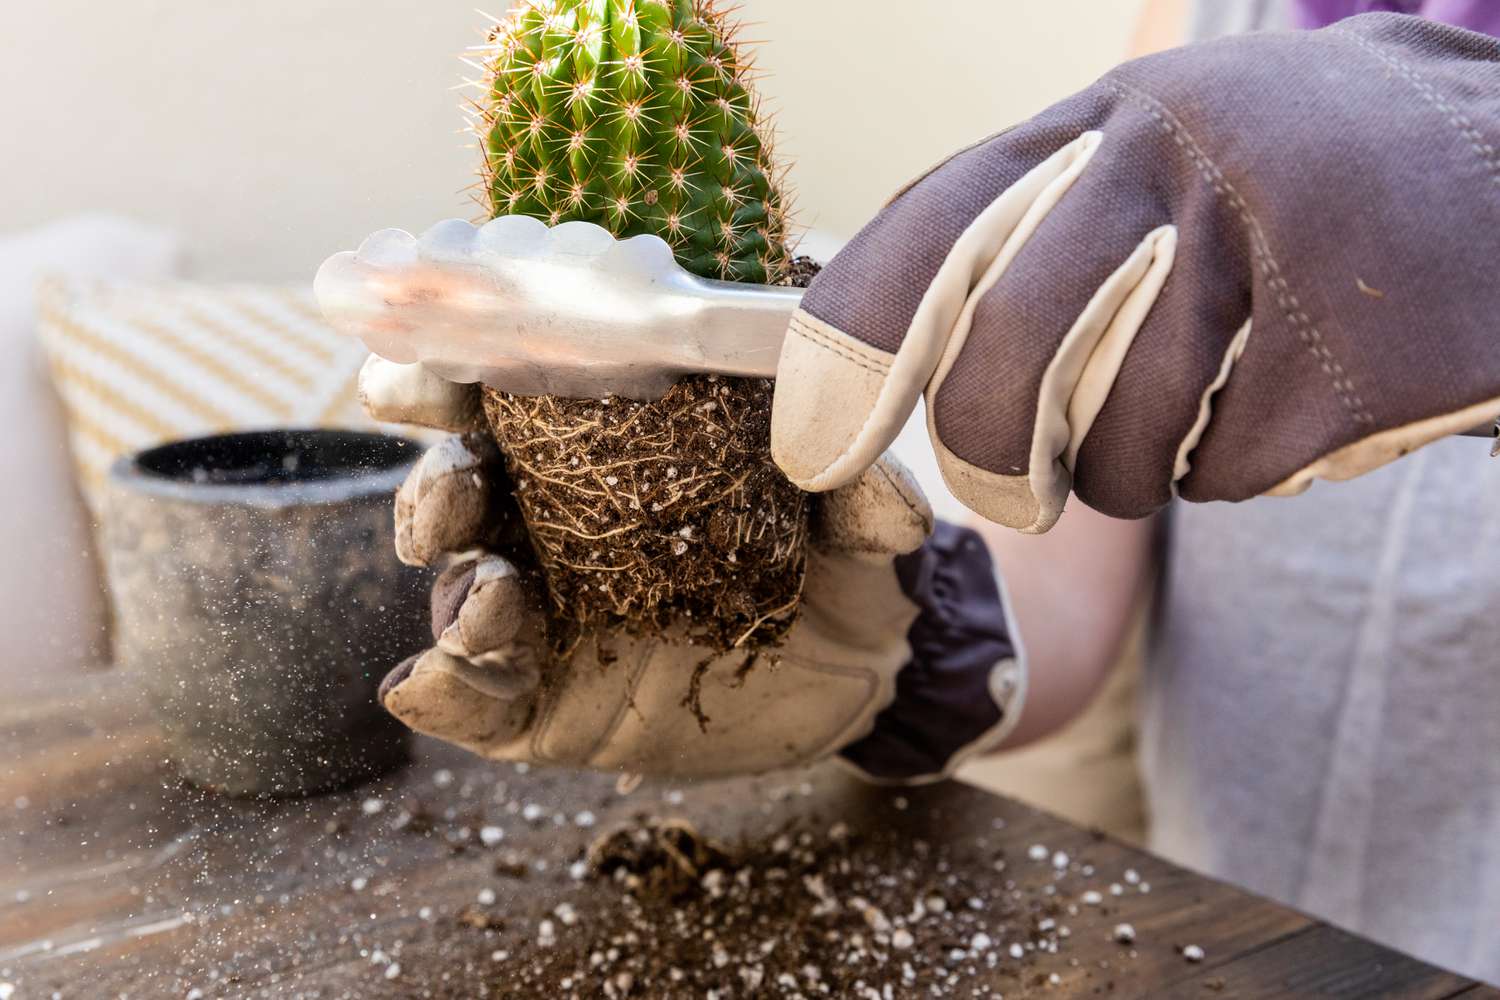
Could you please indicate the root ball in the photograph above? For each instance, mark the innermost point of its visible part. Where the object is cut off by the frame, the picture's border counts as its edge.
(646, 514)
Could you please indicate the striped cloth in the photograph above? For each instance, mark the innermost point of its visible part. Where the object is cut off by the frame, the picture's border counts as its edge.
(137, 364)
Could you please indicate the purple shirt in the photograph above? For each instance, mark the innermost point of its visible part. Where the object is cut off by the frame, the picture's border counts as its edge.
(1476, 15)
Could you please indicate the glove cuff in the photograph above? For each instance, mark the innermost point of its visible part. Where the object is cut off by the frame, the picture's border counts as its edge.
(963, 690)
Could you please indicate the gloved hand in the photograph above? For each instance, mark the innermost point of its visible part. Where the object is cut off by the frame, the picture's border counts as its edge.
(1218, 272)
(901, 658)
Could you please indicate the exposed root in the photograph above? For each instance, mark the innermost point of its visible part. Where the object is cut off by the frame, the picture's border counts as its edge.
(646, 515)
(693, 700)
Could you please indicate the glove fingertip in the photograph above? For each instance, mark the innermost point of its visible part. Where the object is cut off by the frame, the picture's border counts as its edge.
(498, 607)
(480, 605)
(448, 594)
(397, 677)
(836, 406)
(410, 394)
(480, 708)
(450, 500)
(883, 511)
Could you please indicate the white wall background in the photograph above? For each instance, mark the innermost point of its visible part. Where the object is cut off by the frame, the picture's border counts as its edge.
(276, 132)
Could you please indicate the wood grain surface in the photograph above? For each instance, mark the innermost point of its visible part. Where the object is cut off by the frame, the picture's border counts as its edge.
(116, 879)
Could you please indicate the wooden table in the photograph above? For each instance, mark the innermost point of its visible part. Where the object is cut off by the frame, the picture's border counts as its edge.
(119, 881)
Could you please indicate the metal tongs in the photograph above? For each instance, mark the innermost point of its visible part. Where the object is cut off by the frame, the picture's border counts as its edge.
(536, 310)
(565, 310)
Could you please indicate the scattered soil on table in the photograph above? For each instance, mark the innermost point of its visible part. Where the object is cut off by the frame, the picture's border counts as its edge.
(664, 859)
(653, 907)
(458, 885)
(796, 915)
(645, 515)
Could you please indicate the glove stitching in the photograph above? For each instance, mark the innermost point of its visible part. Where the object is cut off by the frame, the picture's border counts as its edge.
(1466, 128)
(901, 489)
(850, 352)
(827, 343)
(551, 703)
(855, 716)
(1291, 306)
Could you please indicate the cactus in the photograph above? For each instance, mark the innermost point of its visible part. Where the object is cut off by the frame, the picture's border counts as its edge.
(637, 115)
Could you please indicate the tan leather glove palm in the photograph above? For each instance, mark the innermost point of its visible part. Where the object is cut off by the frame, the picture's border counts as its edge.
(491, 686)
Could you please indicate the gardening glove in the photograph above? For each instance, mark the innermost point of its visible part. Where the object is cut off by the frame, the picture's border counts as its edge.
(1219, 272)
(902, 659)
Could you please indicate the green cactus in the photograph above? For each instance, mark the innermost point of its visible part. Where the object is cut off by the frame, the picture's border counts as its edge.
(636, 115)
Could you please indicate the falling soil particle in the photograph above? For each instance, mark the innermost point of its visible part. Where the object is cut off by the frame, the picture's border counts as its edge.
(480, 919)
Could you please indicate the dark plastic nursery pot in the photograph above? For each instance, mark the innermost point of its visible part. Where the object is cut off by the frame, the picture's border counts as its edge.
(259, 600)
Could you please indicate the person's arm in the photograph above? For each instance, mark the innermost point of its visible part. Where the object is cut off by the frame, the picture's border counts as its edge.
(1073, 593)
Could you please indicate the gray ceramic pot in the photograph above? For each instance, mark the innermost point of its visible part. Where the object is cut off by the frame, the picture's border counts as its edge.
(258, 597)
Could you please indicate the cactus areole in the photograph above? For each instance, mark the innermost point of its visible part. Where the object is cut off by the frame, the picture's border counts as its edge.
(638, 115)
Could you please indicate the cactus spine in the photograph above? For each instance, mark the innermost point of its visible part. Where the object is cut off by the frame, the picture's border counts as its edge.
(636, 115)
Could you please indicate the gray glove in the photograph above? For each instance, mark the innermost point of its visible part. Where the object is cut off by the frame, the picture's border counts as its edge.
(901, 657)
(1219, 272)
